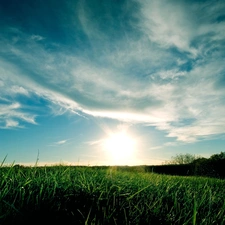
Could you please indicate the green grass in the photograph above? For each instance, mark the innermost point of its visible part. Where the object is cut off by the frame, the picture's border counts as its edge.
(85, 195)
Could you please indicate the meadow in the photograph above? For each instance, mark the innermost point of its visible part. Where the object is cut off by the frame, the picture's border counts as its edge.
(107, 195)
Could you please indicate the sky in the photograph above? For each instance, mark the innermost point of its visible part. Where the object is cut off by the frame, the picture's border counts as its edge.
(127, 82)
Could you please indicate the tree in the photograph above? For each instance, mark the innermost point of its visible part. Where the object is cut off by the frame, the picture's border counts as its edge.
(181, 159)
(217, 157)
(212, 167)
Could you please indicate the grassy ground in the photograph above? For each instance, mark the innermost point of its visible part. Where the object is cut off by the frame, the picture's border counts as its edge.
(85, 195)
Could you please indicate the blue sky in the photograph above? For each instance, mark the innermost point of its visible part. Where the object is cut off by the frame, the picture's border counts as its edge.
(74, 73)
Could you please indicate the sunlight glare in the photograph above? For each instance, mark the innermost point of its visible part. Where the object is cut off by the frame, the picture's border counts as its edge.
(120, 148)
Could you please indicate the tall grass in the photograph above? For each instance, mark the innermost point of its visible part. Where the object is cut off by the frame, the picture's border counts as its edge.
(85, 195)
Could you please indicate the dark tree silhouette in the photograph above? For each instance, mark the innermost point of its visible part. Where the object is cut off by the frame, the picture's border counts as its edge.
(181, 159)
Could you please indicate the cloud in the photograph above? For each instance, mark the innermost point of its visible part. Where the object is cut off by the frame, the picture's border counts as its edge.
(96, 142)
(12, 123)
(14, 111)
(11, 113)
(37, 37)
(168, 24)
(194, 29)
(159, 63)
(61, 142)
(19, 90)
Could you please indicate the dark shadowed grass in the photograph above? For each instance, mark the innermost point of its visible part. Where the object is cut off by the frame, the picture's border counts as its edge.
(107, 195)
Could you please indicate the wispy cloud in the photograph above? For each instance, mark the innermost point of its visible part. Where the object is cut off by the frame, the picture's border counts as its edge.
(11, 114)
(96, 142)
(61, 142)
(19, 90)
(165, 71)
(11, 124)
(37, 37)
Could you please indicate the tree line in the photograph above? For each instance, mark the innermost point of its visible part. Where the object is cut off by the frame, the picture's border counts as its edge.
(191, 165)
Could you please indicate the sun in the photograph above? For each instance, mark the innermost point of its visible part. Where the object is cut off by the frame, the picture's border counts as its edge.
(120, 148)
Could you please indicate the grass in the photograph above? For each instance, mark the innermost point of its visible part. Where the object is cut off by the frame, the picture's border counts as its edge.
(86, 195)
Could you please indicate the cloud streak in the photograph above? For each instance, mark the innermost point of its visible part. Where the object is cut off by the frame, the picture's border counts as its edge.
(10, 115)
(61, 142)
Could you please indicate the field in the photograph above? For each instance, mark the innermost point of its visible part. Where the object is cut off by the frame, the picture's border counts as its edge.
(107, 195)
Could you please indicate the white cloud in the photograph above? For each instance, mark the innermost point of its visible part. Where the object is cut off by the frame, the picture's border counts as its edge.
(11, 123)
(180, 24)
(177, 100)
(11, 113)
(140, 80)
(37, 37)
(171, 74)
(19, 90)
(61, 142)
(96, 142)
(168, 24)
